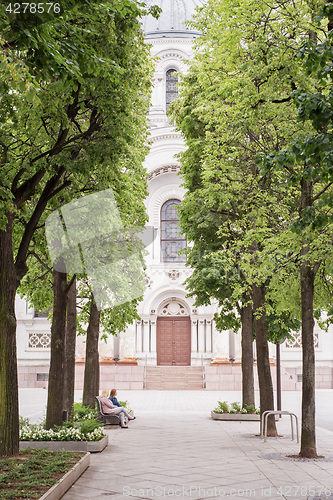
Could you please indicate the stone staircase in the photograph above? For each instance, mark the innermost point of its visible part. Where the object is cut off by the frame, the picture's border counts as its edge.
(173, 378)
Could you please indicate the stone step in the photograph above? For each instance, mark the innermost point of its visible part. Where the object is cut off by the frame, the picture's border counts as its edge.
(174, 378)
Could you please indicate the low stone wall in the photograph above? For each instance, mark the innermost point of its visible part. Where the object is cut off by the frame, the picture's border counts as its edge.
(228, 377)
(86, 446)
(28, 376)
(121, 377)
(220, 377)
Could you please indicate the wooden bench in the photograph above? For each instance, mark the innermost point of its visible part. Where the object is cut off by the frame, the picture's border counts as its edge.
(106, 418)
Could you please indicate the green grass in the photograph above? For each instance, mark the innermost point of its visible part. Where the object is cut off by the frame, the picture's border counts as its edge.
(30, 474)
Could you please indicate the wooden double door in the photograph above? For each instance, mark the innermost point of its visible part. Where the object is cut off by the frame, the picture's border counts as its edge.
(173, 341)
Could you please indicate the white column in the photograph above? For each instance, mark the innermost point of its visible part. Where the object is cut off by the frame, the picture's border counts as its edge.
(116, 344)
(238, 346)
(127, 342)
(232, 353)
(153, 334)
(208, 335)
(146, 335)
(139, 336)
(194, 338)
(156, 245)
(201, 336)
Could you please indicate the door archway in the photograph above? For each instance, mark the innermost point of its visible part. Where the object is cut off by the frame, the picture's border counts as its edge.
(173, 335)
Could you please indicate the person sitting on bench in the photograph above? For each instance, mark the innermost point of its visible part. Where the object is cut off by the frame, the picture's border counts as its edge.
(109, 408)
(113, 397)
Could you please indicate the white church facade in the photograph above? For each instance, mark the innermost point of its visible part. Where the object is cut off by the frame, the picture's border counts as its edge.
(172, 332)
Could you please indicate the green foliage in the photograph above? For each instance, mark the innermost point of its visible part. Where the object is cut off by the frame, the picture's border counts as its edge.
(31, 476)
(236, 105)
(81, 412)
(235, 407)
(125, 405)
(113, 320)
(250, 408)
(222, 407)
(87, 119)
(23, 421)
(83, 426)
(74, 97)
(87, 426)
(85, 430)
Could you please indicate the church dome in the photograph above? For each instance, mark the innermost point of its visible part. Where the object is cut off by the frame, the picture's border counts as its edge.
(172, 20)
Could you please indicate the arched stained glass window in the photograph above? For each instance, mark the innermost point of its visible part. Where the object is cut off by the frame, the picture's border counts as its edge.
(171, 238)
(171, 86)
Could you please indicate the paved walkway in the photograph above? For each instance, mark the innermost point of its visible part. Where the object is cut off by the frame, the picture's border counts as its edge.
(174, 449)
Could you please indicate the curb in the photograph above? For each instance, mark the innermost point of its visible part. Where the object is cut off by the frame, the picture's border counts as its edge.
(60, 488)
(235, 416)
(87, 446)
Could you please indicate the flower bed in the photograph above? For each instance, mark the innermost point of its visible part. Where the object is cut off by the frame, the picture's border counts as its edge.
(234, 411)
(83, 446)
(32, 473)
(38, 433)
(82, 433)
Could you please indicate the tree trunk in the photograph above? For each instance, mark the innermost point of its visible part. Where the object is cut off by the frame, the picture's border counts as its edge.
(308, 434)
(70, 344)
(91, 369)
(247, 354)
(264, 370)
(55, 399)
(9, 418)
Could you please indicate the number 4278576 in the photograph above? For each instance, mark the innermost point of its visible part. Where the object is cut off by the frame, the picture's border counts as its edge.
(33, 8)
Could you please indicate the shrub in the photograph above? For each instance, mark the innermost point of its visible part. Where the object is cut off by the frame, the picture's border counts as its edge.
(250, 408)
(236, 407)
(125, 405)
(87, 426)
(222, 407)
(83, 427)
(23, 421)
(83, 412)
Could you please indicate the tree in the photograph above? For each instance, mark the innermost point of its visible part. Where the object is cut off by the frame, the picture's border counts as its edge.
(101, 324)
(307, 163)
(91, 368)
(238, 91)
(73, 110)
(70, 345)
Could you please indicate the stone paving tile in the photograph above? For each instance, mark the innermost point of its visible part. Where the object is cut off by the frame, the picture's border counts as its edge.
(162, 452)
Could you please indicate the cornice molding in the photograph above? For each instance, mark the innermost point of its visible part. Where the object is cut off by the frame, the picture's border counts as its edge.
(166, 169)
(179, 40)
(166, 137)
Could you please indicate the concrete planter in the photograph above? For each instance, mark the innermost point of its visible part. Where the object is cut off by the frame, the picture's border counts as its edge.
(60, 488)
(88, 446)
(235, 416)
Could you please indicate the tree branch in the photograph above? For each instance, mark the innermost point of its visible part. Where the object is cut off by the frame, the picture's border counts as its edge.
(17, 178)
(60, 188)
(69, 285)
(27, 189)
(34, 254)
(51, 185)
(322, 191)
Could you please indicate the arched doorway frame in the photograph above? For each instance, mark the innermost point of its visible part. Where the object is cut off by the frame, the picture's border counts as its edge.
(170, 300)
(173, 333)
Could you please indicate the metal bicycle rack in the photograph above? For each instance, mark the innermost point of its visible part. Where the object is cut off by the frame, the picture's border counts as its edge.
(264, 418)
